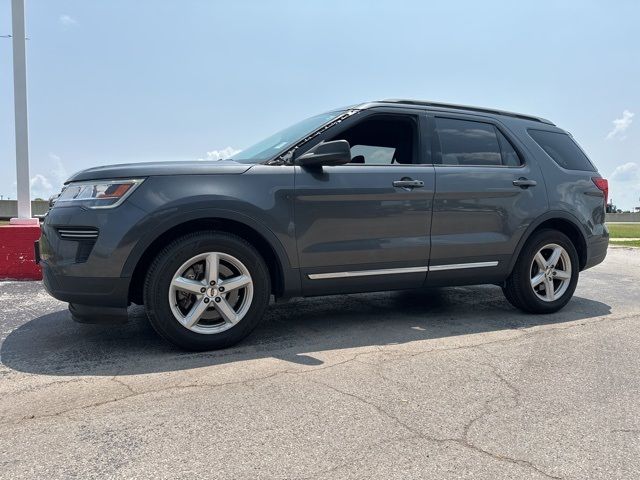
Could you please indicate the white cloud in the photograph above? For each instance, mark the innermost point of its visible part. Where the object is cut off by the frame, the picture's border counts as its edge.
(629, 171)
(43, 186)
(624, 186)
(67, 20)
(40, 186)
(222, 154)
(59, 171)
(620, 125)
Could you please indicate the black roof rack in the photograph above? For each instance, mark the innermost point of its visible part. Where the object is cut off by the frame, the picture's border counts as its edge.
(467, 107)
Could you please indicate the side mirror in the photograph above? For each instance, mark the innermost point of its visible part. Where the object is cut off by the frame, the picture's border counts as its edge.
(337, 152)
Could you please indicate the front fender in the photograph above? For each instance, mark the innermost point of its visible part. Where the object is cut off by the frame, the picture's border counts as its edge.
(173, 219)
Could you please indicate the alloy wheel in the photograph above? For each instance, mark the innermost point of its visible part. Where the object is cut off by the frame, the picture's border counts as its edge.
(211, 292)
(550, 272)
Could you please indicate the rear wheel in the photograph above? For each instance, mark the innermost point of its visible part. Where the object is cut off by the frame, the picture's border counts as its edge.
(206, 290)
(545, 275)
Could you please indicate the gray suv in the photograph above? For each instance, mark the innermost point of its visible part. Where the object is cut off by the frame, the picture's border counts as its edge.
(386, 195)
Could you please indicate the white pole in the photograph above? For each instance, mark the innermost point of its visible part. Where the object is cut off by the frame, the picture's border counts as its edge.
(20, 101)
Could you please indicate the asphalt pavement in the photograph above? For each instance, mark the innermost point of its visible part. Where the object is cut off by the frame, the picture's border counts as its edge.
(443, 383)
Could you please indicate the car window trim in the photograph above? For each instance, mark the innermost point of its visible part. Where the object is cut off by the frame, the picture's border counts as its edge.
(288, 156)
(367, 114)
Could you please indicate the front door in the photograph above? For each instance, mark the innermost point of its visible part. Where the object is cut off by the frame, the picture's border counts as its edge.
(365, 225)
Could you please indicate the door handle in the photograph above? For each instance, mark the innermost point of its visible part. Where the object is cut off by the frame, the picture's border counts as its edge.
(408, 183)
(524, 183)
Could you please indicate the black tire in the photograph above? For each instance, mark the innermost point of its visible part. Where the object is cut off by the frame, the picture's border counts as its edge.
(169, 260)
(518, 289)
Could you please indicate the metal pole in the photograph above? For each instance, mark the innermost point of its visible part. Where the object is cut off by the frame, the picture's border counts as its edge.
(20, 101)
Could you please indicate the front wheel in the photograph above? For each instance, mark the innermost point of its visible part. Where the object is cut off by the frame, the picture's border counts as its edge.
(545, 275)
(206, 290)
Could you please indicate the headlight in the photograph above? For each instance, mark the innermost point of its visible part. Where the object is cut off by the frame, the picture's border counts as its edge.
(98, 193)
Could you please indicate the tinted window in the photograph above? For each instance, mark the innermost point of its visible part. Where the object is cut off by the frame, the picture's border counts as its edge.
(381, 140)
(564, 151)
(465, 142)
(510, 157)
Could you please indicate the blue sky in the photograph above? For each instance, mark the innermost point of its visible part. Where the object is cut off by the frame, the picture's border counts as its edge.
(122, 81)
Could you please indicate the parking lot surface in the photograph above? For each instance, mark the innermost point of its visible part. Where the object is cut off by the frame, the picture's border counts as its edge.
(446, 383)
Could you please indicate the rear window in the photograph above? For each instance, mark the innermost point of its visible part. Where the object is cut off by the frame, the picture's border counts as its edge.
(562, 149)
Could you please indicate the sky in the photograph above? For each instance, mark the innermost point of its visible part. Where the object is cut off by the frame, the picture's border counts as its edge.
(113, 81)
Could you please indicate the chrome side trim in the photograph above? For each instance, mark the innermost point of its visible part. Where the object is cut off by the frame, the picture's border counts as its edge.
(395, 271)
(365, 273)
(456, 266)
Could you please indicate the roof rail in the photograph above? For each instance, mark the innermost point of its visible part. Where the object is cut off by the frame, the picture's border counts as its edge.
(467, 107)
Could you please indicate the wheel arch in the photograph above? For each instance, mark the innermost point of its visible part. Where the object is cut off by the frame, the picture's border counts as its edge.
(260, 237)
(563, 222)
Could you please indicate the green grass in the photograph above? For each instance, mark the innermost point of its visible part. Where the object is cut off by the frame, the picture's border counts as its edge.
(631, 243)
(624, 230)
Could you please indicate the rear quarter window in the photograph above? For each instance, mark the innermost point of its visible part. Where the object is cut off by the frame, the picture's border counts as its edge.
(562, 149)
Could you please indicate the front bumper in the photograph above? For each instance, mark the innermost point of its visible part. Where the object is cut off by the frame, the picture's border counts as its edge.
(84, 269)
(97, 291)
(98, 315)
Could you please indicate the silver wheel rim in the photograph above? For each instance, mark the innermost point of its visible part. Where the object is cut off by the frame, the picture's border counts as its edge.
(550, 272)
(211, 292)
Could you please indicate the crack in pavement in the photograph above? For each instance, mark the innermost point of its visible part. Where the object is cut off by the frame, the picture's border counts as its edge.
(486, 410)
(464, 441)
(353, 461)
(134, 393)
(115, 379)
(399, 355)
(202, 385)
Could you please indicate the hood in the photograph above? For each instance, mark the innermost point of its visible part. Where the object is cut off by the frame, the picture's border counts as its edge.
(135, 170)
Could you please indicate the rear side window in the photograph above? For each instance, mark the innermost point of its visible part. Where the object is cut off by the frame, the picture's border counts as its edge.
(562, 149)
(465, 142)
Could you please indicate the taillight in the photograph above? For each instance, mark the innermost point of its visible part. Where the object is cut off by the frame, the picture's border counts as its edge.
(603, 186)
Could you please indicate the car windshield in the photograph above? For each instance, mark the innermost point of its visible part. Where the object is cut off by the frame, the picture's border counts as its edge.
(278, 143)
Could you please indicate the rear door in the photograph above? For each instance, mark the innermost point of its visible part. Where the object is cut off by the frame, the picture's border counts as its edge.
(365, 226)
(486, 196)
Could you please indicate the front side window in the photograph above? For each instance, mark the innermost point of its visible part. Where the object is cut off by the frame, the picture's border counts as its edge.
(465, 142)
(382, 140)
(562, 149)
(372, 155)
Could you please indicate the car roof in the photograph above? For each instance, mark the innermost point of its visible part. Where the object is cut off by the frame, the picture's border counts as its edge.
(422, 104)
